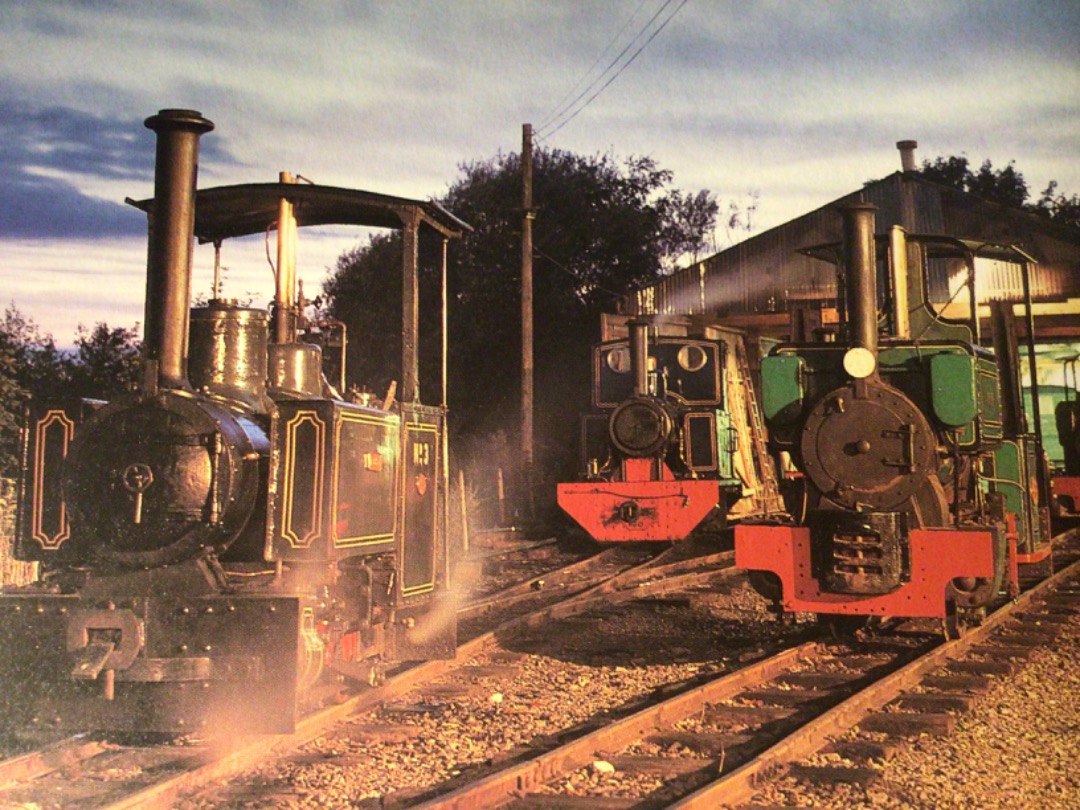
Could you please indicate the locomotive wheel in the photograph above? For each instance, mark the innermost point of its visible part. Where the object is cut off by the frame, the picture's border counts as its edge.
(958, 621)
(842, 626)
(867, 444)
(981, 591)
(767, 584)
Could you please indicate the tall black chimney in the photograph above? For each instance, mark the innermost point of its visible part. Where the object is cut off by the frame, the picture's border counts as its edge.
(172, 227)
(860, 274)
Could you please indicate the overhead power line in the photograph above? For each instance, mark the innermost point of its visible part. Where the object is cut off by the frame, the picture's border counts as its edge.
(570, 111)
(566, 101)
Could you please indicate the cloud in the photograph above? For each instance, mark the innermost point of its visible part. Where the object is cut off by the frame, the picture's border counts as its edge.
(50, 156)
(802, 101)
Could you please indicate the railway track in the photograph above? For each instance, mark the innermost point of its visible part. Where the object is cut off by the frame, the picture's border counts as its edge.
(715, 746)
(118, 773)
(695, 737)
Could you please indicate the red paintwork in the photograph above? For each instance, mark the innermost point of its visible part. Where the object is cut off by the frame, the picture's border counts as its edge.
(666, 510)
(937, 557)
(1069, 487)
(1034, 557)
(1012, 536)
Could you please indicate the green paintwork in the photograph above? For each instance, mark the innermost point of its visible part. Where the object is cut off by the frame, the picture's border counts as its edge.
(952, 378)
(798, 375)
(1014, 466)
(782, 387)
(727, 444)
(1008, 477)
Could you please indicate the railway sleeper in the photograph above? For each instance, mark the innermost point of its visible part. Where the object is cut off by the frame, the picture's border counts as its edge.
(972, 683)
(905, 724)
(546, 801)
(791, 697)
(667, 767)
(935, 703)
(997, 668)
(705, 743)
(1043, 620)
(1061, 611)
(861, 750)
(833, 774)
(819, 680)
(1017, 635)
(1013, 647)
(728, 716)
(488, 672)
(381, 733)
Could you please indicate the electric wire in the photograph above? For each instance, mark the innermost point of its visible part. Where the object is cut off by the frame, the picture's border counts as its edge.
(566, 115)
(571, 116)
(562, 104)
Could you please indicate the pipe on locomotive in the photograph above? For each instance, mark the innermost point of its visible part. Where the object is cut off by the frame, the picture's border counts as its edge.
(639, 356)
(285, 320)
(169, 253)
(860, 275)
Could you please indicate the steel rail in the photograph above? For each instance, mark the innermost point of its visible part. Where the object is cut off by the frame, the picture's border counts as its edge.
(229, 757)
(538, 585)
(739, 785)
(506, 785)
(52, 757)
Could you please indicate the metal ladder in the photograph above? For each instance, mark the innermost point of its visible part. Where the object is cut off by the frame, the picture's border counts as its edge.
(770, 488)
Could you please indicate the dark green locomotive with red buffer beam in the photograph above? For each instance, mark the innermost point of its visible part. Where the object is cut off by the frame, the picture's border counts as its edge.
(916, 487)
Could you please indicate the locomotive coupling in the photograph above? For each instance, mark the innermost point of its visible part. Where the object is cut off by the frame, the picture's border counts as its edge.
(103, 640)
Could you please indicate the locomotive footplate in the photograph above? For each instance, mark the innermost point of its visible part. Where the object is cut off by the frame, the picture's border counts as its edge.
(153, 663)
(938, 556)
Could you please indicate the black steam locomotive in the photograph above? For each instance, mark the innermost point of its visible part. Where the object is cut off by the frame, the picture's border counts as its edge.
(923, 490)
(674, 437)
(223, 544)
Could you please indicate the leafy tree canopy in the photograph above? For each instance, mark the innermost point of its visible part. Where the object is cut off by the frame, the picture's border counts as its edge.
(602, 227)
(1006, 186)
(105, 363)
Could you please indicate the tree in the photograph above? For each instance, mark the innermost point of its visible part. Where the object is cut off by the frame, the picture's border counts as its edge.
(40, 369)
(602, 228)
(1006, 186)
(364, 292)
(28, 360)
(105, 363)
(10, 405)
(1057, 207)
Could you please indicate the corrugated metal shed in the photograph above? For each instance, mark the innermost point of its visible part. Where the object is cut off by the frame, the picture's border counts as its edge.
(766, 275)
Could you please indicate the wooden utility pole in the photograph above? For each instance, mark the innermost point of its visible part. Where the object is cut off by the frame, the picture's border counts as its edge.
(527, 314)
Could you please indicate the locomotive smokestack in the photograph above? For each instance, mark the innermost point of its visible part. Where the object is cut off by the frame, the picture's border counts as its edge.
(860, 274)
(907, 154)
(639, 356)
(172, 228)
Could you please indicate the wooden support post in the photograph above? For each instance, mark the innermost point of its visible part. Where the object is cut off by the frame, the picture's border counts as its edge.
(464, 513)
(527, 394)
(502, 500)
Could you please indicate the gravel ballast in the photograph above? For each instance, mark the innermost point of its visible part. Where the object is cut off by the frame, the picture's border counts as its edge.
(1017, 749)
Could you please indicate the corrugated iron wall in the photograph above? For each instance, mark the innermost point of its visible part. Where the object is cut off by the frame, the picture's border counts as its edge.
(765, 274)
